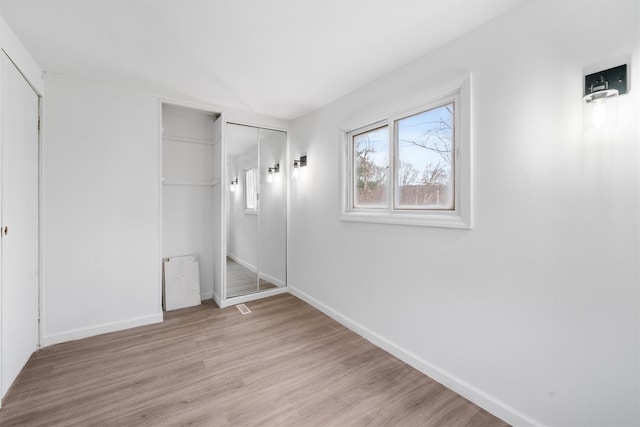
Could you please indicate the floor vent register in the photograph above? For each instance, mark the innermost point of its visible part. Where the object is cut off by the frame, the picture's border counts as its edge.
(243, 309)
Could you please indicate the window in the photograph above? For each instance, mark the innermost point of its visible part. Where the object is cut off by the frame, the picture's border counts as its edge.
(413, 167)
(251, 189)
(425, 170)
(370, 168)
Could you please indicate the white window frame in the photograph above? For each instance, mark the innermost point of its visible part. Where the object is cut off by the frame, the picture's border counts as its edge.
(247, 193)
(458, 91)
(351, 178)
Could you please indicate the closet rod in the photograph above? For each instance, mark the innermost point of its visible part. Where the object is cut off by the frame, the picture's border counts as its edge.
(188, 140)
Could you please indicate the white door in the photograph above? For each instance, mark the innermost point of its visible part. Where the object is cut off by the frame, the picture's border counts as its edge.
(19, 219)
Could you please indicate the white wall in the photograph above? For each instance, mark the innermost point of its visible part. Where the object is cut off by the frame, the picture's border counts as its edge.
(100, 209)
(534, 313)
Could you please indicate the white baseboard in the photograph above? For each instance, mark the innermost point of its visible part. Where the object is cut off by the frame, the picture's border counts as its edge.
(252, 297)
(279, 283)
(468, 391)
(243, 263)
(206, 295)
(76, 334)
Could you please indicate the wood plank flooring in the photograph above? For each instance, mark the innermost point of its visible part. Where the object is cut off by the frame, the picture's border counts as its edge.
(284, 364)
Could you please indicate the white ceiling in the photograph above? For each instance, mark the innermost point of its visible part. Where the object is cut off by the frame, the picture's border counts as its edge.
(282, 58)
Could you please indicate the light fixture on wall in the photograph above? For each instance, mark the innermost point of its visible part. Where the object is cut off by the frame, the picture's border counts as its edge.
(297, 164)
(601, 92)
(234, 185)
(272, 170)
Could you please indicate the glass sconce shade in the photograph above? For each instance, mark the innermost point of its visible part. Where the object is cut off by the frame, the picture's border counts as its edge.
(601, 90)
(297, 164)
(296, 170)
(600, 109)
(271, 171)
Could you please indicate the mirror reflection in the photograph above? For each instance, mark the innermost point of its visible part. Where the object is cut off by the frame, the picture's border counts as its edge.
(256, 212)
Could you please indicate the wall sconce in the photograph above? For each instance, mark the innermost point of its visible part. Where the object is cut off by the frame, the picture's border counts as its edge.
(274, 169)
(234, 185)
(601, 92)
(297, 164)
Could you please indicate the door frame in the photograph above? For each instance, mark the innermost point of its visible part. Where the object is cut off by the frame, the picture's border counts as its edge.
(207, 108)
(39, 96)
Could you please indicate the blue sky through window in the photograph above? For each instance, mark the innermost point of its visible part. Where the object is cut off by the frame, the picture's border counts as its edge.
(427, 138)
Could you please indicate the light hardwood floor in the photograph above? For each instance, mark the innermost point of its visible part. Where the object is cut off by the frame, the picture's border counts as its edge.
(284, 364)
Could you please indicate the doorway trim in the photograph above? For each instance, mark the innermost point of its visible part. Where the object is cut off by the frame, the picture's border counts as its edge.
(39, 168)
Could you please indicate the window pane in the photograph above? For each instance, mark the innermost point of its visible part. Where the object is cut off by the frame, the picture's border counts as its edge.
(251, 195)
(425, 169)
(371, 168)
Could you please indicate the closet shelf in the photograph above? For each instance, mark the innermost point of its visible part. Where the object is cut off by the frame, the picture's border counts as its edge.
(189, 183)
(187, 140)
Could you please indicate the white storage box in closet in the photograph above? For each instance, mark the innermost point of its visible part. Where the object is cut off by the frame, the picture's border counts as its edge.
(181, 282)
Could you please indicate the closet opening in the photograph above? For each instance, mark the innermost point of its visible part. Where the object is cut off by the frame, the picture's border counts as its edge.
(191, 206)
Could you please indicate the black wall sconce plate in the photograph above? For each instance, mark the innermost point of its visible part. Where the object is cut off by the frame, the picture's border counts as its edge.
(616, 78)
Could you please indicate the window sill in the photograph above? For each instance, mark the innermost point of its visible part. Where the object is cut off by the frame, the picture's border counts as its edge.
(250, 212)
(422, 220)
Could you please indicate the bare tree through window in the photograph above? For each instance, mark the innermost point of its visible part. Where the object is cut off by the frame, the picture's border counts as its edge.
(371, 167)
(425, 152)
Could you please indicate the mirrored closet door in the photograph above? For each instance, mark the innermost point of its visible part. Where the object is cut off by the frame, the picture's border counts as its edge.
(256, 210)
